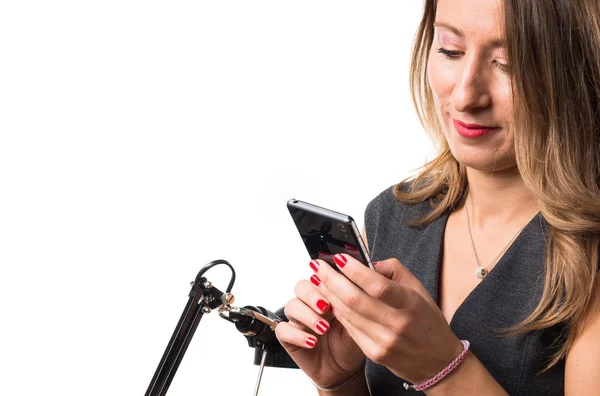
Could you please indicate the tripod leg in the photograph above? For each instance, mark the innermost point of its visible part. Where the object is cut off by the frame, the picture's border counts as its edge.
(260, 371)
(178, 344)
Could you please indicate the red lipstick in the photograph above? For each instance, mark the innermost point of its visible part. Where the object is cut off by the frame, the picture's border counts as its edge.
(472, 131)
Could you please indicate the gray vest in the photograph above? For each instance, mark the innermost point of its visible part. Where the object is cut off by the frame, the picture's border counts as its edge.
(505, 297)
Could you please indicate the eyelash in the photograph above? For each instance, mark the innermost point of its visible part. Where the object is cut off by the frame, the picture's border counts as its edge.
(453, 55)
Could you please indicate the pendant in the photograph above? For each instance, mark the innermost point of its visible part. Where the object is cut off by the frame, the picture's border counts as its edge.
(481, 272)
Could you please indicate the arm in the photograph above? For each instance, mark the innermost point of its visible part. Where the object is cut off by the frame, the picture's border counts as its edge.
(583, 359)
(358, 387)
(470, 378)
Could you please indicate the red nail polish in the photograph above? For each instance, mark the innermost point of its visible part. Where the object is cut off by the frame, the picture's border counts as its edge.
(375, 262)
(314, 265)
(315, 280)
(340, 260)
(322, 305)
(352, 248)
(311, 341)
(322, 327)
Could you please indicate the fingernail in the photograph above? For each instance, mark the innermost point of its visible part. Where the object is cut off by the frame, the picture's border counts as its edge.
(311, 341)
(315, 280)
(375, 262)
(352, 248)
(322, 327)
(314, 264)
(322, 305)
(340, 260)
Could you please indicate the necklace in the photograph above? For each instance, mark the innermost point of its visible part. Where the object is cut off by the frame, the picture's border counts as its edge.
(481, 271)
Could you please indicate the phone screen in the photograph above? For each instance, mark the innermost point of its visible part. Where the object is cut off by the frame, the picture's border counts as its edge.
(326, 233)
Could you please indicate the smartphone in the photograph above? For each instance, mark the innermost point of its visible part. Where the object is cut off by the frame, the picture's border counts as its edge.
(326, 233)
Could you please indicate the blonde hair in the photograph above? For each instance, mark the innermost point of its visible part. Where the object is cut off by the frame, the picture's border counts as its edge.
(554, 54)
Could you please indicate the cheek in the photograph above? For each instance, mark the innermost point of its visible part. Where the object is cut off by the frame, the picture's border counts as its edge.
(441, 90)
(441, 80)
(506, 102)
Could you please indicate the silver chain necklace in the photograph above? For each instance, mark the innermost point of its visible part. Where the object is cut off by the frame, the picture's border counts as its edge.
(481, 271)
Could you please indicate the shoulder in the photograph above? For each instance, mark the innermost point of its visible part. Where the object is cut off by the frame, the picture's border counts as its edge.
(387, 207)
(395, 227)
(390, 222)
(382, 202)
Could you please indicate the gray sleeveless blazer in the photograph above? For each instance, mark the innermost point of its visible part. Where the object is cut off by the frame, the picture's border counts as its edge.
(505, 297)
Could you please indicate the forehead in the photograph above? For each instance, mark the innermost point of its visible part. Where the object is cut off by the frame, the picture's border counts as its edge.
(473, 19)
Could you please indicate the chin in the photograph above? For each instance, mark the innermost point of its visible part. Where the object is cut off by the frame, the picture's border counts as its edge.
(492, 154)
(484, 160)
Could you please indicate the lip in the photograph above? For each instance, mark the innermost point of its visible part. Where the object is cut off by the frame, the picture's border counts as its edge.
(472, 131)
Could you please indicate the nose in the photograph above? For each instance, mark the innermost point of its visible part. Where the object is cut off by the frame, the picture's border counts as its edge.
(472, 88)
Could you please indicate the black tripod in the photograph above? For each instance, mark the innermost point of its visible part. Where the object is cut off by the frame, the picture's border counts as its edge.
(255, 323)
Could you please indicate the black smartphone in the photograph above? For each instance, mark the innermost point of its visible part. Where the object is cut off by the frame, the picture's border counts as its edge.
(326, 233)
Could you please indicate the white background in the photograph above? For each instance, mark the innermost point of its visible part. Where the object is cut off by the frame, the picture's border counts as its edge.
(140, 140)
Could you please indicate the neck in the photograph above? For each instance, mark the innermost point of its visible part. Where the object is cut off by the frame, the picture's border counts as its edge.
(499, 198)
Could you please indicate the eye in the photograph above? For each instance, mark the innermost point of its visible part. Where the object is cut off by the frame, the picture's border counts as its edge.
(502, 66)
(456, 54)
(449, 54)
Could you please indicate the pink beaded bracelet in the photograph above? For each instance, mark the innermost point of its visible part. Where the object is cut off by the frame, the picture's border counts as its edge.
(442, 374)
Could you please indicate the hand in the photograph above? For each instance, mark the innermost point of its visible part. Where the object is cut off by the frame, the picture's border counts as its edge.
(317, 342)
(390, 315)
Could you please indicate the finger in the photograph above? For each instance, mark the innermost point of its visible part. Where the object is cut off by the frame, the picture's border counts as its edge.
(371, 282)
(352, 305)
(394, 270)
(373, 343)
(337, 283)
(289, 335)
(310, 295)
(290, 319)
(367, 334)
(304, 315)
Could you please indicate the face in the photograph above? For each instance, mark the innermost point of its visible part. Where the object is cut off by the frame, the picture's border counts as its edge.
(468, 74)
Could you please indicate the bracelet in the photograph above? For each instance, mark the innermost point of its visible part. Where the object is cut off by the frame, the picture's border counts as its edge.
(339, 386)
(442, 374)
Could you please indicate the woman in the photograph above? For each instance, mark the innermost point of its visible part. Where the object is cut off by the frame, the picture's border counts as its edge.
(496, 241)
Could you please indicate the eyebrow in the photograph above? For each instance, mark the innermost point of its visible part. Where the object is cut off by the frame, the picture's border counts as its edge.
(494, 43)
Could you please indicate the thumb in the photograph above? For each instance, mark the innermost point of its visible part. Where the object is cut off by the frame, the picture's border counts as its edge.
(395, 271)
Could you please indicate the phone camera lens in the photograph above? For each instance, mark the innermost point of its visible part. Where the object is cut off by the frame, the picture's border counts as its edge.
(342, 227)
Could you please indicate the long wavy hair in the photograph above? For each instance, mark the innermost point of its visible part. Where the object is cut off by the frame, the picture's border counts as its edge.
(553, 49)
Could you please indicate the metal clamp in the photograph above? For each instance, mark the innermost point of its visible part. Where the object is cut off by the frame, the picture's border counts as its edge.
(247, 312)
